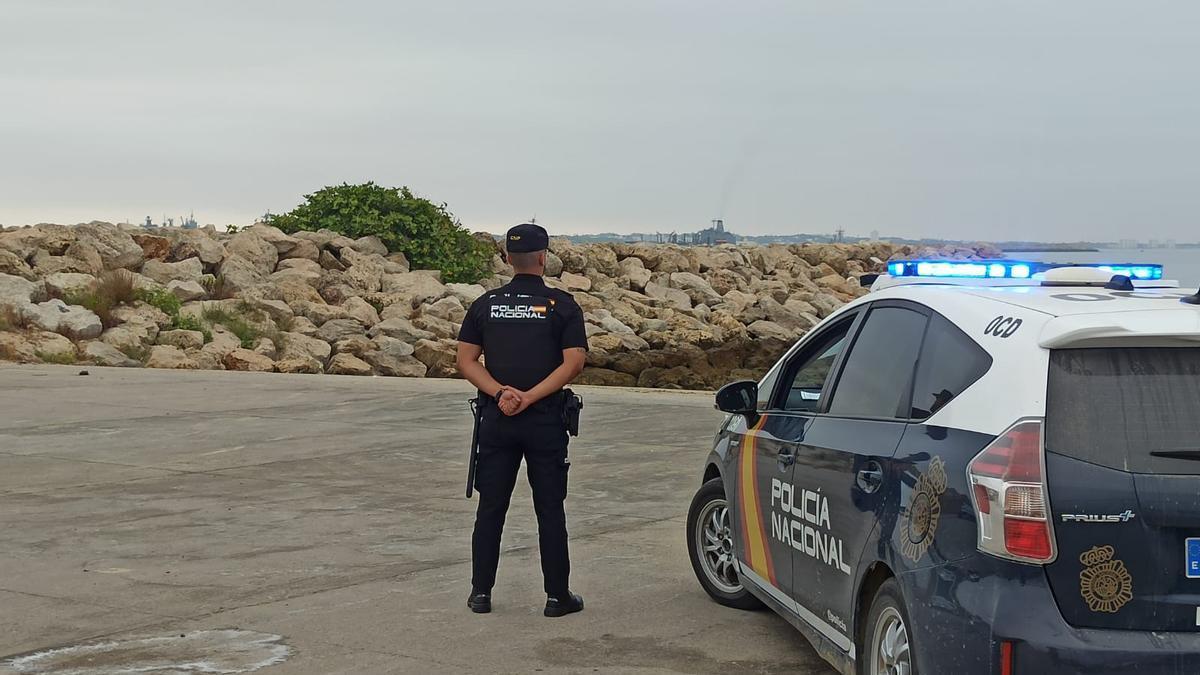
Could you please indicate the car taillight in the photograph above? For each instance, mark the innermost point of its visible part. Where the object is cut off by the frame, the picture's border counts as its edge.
(1008, 488)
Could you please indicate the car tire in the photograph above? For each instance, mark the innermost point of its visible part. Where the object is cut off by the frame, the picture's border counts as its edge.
(887, 637)
(709, 525)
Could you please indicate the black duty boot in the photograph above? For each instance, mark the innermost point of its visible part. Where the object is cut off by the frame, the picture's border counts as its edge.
(480, 602)
(562, 606)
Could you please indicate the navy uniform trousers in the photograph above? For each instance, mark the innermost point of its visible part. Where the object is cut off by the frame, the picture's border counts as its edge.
(540, 437)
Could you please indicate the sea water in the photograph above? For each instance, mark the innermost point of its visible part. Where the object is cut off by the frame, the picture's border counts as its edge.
(1180, 264)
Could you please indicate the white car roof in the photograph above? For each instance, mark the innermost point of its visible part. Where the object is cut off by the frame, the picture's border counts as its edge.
(1018, 325)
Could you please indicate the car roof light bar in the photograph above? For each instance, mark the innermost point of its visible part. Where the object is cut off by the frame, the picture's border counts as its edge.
(1010, 269)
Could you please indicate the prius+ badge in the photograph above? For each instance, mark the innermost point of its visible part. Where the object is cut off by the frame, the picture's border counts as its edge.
(1090, 518)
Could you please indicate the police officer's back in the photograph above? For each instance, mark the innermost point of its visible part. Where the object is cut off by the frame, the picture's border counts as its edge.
(533, 343)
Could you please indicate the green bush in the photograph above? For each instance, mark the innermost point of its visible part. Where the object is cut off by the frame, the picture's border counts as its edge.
(426, 233)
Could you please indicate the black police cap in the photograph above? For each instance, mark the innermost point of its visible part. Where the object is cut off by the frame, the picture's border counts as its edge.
(526, 238)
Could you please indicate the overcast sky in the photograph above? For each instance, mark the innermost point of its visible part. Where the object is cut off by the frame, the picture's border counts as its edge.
(991, 120)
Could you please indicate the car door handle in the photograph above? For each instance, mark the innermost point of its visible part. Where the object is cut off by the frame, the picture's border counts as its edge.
(870, 478)
(787, 457)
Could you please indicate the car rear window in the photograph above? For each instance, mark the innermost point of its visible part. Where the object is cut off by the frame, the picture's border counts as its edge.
(1125, 408)
(950, 362)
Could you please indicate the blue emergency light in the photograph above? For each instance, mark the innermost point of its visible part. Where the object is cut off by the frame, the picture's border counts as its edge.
(1009, 269)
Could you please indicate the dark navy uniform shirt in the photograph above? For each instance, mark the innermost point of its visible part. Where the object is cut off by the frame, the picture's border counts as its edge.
(523, 327)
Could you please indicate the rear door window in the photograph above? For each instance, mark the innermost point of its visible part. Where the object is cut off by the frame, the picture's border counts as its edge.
(877, 378)
(950, 362)
(1133, 409)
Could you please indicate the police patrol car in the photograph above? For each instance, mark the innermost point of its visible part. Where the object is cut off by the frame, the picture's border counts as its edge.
(979, 467)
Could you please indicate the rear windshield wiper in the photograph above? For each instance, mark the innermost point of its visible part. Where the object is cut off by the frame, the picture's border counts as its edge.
(1177, 453)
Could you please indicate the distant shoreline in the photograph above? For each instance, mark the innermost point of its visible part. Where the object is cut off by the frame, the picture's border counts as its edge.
(1051, 249)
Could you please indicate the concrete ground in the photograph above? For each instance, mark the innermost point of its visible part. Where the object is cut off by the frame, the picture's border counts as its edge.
(186, 522)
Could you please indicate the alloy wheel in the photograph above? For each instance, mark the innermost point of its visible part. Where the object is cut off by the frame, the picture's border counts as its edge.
(714, 543)
(890, 653)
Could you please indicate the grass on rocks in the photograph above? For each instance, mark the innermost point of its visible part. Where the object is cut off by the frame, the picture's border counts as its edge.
(217, 288)
(139, 353)
(60, 358)
(247, 323)
(112, 289)
(170, 304)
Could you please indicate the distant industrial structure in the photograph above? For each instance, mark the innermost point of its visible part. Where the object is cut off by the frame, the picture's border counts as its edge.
(188, 223)
(713, 235)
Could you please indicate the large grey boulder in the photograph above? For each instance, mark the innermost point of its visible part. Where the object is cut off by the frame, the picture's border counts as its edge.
(466, 293)
(53, 347)
(303, 250)
(699, 290)
(274, 236)
(11, 263)
(303, 264)
(298, 363)
(390, 365)
(439, 356)
(634, 272)
(248, 361)
(165, 356)
(104, 354)
(361, 310)
(239, 274)
(184, 339)
(249, 246)
(117, 249)
(439, 327)
(300, 345)
(337, 329)
(187, 291)
(15, 290)
(575, 282)
(355, 344)
(365, 270)
(348, 364)
(369, 244)
(448, 309)
(131, 336)
(16, 347)
(56, 316)
(401, 329)
(26, 241)
(196, 244)
(671, 297)
(320, 313)
(419, 286)
(63, 283)
(554, 264)
(770, 329)
(163, 272)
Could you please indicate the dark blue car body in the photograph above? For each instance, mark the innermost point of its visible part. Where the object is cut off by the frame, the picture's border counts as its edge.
(827, 507)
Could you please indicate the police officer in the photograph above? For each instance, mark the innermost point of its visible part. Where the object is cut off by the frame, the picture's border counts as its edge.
(534, 344)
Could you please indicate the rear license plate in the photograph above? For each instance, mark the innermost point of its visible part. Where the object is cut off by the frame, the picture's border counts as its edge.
(1191, 555)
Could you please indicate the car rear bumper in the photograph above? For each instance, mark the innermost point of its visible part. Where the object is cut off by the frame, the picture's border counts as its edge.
(1108, 651)
(963, 612)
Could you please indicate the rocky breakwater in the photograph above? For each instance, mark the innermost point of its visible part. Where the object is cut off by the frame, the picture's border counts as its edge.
(318, 302)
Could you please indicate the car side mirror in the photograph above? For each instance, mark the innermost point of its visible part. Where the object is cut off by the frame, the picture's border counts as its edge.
(739, 398)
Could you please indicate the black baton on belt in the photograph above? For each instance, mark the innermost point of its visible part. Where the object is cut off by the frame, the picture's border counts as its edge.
(477, 413)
